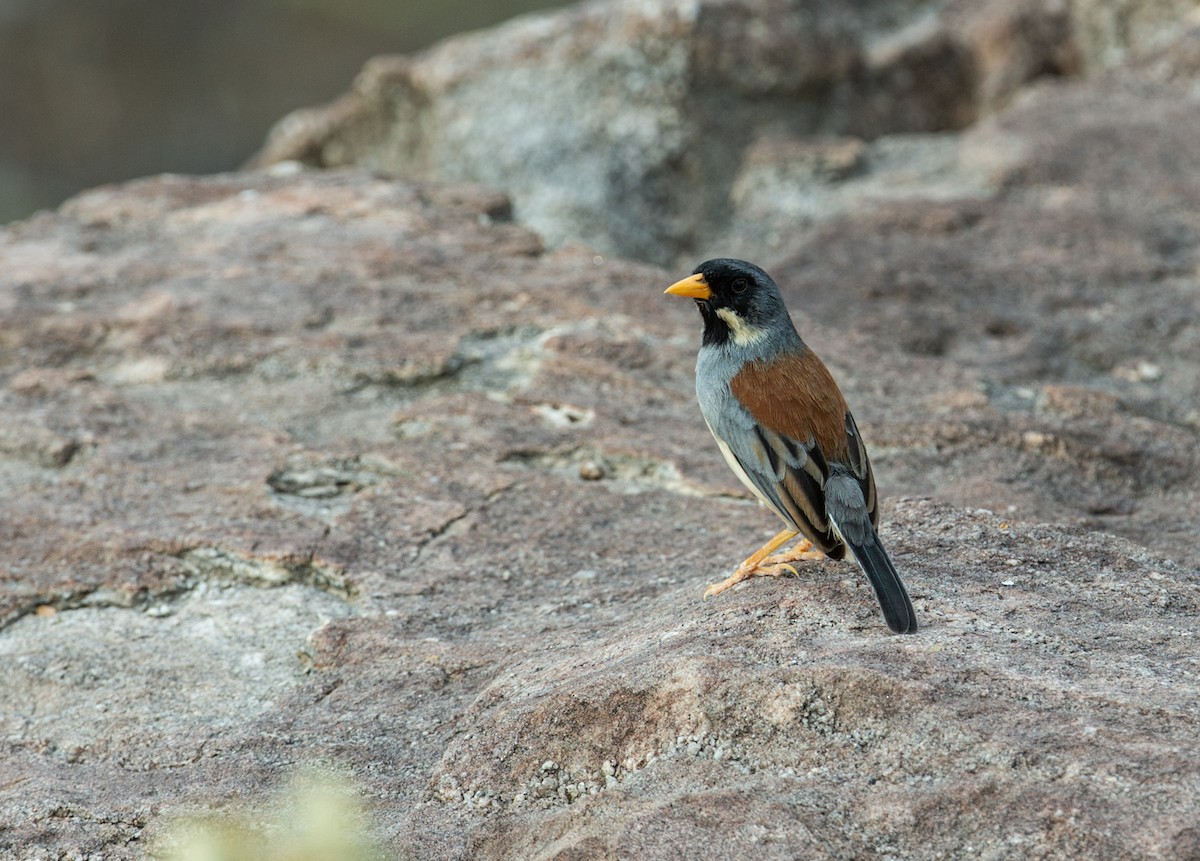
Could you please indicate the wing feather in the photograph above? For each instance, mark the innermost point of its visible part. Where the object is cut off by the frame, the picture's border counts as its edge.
(786, 436)
(860, 467)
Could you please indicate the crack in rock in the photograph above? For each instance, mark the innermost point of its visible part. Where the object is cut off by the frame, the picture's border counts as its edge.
(324, 487)
(320, 481)
(497, 360)
(492, 360)
(209, 563)
(202, 564)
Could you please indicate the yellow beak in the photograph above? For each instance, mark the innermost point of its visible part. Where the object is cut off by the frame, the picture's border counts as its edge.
(694, 286)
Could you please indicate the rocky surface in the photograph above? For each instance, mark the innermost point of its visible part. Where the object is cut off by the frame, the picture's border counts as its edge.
(328, 467)
(618, 120)
(624, 121)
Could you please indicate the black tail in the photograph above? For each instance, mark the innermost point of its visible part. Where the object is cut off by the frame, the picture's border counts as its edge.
(893, 597)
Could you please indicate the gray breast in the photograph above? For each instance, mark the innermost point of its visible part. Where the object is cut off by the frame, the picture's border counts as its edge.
(715, 368)
(731, 425)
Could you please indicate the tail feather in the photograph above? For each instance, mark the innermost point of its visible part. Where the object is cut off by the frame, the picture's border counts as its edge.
(889, 589)
(847, 509)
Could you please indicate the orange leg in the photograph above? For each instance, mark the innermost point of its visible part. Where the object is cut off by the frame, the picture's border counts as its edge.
(802, 550)
(763, 564)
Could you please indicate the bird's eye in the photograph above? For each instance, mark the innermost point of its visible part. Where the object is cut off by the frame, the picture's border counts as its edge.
(740, 285)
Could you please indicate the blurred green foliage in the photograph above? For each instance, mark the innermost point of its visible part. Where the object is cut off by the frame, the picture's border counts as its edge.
(317, 817)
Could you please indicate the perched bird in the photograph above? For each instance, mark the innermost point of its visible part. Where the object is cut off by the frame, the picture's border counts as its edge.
(785, 430)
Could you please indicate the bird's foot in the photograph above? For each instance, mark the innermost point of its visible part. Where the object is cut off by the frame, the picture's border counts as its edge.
(802, 550)
(742, 573)
(778, 569)
(758, 565)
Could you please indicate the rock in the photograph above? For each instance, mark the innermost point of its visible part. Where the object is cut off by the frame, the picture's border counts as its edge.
(305, 466)
(622, 122)
(271, 553)
(1074, 297)
(1114, 33)
(742, 732)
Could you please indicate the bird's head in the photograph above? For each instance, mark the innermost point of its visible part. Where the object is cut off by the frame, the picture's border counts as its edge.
(738, 301)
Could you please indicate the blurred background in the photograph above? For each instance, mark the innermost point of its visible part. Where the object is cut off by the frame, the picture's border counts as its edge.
(95, 91)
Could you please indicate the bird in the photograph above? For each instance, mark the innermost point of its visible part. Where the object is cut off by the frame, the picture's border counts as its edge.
(784, 428)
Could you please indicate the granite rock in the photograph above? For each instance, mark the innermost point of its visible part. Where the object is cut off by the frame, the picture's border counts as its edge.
(326, 467)
(619, 121)
(308, 466)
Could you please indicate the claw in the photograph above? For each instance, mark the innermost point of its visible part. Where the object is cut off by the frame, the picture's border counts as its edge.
(761, 564)
(777, 570)
(733, 579)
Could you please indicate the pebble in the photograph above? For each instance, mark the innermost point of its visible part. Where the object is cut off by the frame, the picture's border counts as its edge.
(589, 470)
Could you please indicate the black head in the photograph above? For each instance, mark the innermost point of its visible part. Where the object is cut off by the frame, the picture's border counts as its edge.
(738, 301)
